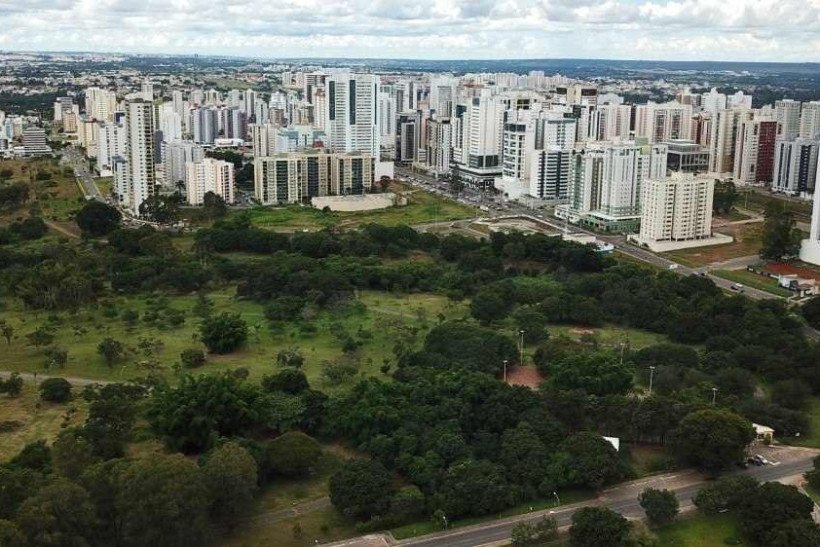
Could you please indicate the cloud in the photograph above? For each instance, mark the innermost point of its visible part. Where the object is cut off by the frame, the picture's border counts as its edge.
(754, 30)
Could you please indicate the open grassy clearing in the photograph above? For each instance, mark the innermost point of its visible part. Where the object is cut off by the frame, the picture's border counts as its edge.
(379, 322)
(35, 419)
(319, 526)
(649, 459)
(423, 207)
(759, 201)
(754, 280)
(701, 531)
(747, 241)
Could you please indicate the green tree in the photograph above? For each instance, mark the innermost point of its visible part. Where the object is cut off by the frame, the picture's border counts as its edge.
(110, 350)
(55, 390)
(7, 331)
(71, 454)
(361, 489)
(525, 457)
(597, 526)
(40, 337)
(161, 209)
(661, 506)
(293, 454)
(725, 196)
(781, 237)
(11, 535)
(597, 373)
(163, 501)
(712, 440)
(289, 380)
(97, 218)
(491, 303)
(192, 358)
(223, 333)
(213, 206)
(13, 385)
(473, 487)
(796, 533)
(35, 455)
(59, 515)
(17, 484)
(534, 535)
(810, 311)
(407, 504)
(725, 493)
(230, 476)
(773, 504)
(586, 459)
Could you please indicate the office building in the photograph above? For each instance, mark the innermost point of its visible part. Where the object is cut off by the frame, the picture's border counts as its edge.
(686, 156)
(296, 177)
(263, 139)
(439, 145)
(549, 173)
(477, 141)
(209, 175)
(34, 142)
(408, 142)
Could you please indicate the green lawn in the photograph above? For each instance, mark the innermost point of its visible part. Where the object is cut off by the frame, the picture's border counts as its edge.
(611, 336)
(700, 531)
(423, 207)
(383, 320)
(319, 526)
(751, 279)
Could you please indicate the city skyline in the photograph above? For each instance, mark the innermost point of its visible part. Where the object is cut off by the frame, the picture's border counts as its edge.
(690, 30)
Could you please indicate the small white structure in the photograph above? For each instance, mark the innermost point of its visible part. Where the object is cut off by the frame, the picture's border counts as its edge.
(615, 442)
(810, 248)
(364, 202)
(764, 433)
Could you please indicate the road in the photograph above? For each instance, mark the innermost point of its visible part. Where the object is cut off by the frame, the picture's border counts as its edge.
(75, 159)
(29, 377)
(621, 498)
(473, 197)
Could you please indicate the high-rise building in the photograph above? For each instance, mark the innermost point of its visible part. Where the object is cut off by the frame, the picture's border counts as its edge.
(296, 177)
(787, 112)
(139, 155)
(263, 139)
(810, 120)
(205, 124)
(549, 173)
(111, 143)
(352, 114)
(34, 141)
(614, 122)
(209, 175)
(687, 157)
(408, 131)
(147, 90)
(175, 156)
(663, 122)
(234, 123)
(723, 138)
(439, 144)
(170, 123)
(713, 101)
(754, 147)
(605, 183)
(810, 248)
(582, 94)
(477, 141)
(676, 209)
(100, 104)
(796, 163)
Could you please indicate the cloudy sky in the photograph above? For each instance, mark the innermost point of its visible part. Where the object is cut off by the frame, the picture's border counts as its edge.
(742, 30)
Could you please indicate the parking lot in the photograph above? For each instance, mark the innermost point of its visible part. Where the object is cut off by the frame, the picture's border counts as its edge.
(776, 454)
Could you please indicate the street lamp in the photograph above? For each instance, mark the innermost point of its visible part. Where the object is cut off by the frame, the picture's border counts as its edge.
(714, 395)
(557, 499)
(505, 371)
(651, 377)
(521, 348)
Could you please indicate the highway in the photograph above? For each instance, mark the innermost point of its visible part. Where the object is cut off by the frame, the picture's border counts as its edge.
(74, 157)
(476, 198)
(622, 498)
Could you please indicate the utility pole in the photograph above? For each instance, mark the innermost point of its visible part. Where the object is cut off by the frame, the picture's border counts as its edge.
(714, 395)
(651, 377)
(505, 371)
(521, 348)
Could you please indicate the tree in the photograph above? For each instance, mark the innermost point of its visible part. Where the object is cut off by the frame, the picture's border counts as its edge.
(781, 237)
(40, 337)
(13, 385)
(473, 487)
(524, 456)
(596, 526)
(712, 440)
(229, 474)
(192, 358)
(725, 493)
(55, 390)
(597, 373)
(71, 454)
(193, 414)
(59, 515)
(810, 311)
(163, 501)
(293, 454)
(290, 357)
(361, 489)
(532, 535)
(289, 380)
(796, 533)
(586, 459)
(7, 331)
(661, 506)
(491, 303)
(213, 206)
(161, 209)
(725, 196)
(56, 357)
(111, 351)
(97, 218)
(792, 393)
(407, 504)
(10, 535)
(223, 333)
(17, 484)
(112, 413)
(35, 456)
(773, 504)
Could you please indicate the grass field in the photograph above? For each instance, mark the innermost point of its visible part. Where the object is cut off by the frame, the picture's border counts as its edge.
(650, 459)
(758, 201)
(700, 531)
(36, 419)
(746, 242)
(310, 529)
(423, 207)
(611, 336)
(384, 320)
(751, 279)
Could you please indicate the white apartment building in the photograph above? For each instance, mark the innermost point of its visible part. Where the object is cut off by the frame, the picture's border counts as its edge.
(439, 145)
(477, 146)
(754, 146)
(810, 248)
(170, 123)
(140, 178)
(205, 123)
(795, 166)
(605, 183)
(549, 173)
(676, 212)
(810, 120)
(111, 143)
(263, 139)
(787, 112)
(352, 114)
(614, 122)
(209, 175)
(723, 138)
(663, 122)
(175, 156)
(100, 104)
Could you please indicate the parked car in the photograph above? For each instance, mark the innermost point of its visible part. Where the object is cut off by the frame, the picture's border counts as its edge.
(737, 287)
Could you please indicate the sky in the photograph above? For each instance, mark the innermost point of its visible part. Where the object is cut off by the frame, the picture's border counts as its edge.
(717, 30)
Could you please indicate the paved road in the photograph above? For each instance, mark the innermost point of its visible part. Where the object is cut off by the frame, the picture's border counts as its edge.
(622, 498)
(75, 159)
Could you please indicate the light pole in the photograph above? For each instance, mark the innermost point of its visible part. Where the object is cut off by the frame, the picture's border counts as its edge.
(714, 395)
(521, 348)
(505, 371)
(651, 377)
(557, 499)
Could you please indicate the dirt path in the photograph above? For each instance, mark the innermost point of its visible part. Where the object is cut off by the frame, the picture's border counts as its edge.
(58, 228)
(293, 511)
(34, 378)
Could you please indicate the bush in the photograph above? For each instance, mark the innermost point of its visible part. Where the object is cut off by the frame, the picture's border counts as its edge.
(292, 454)
(55, 390)
(223, 333)
(192, 358)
